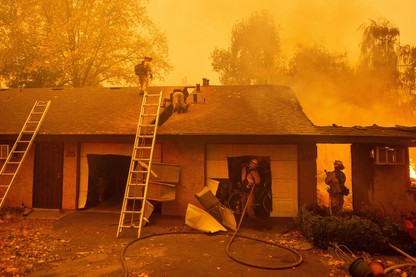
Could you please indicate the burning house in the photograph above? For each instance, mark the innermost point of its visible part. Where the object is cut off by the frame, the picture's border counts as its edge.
(81, 154)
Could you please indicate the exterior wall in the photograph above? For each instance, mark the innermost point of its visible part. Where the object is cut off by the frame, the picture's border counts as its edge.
(307, 154)
(22, 187)
(391, 193)
(380, 188)
(101, 148)
(21, 190)
(70, 176)
(283, 170)
(362, 175)
(383, 188)
(190, 155)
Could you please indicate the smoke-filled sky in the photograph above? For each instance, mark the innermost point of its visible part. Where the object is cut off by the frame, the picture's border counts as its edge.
(195, 27)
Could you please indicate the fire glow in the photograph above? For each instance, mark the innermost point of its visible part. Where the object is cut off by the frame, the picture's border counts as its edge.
(412, 174)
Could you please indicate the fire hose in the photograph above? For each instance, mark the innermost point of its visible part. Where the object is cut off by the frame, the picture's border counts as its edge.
(286, 266)
(291, 265)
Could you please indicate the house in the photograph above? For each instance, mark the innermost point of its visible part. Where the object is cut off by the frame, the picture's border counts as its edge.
(82, 152)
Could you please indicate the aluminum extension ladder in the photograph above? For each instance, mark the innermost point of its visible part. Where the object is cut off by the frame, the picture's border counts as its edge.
(135, 209)
(21, 147)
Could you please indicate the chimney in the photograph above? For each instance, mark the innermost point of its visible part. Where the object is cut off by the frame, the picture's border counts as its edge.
(198, 87)
(205, 82)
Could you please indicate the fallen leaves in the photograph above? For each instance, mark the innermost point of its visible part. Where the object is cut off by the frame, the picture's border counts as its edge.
(25, 246)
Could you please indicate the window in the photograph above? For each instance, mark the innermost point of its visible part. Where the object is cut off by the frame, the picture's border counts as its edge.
(389, 155)
(4, 151)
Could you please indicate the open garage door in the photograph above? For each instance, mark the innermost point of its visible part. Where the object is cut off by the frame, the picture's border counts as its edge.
(106, 179)
(283, 171)
(103, 172)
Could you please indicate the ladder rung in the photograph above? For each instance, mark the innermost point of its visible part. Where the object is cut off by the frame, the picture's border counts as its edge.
(139, 171)
(143, 147)
(8, 173)
(28, 132)
(142, 164)
(141, 161)
(23, 141)
(132, 212)
(13, 162)
(18, 152)
(33, 122)
(135, 197)
(3, 186)
(129, 226)
(149, 114)
(137, 185)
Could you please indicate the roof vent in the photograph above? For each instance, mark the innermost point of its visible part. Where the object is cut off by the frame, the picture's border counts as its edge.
(205, 82)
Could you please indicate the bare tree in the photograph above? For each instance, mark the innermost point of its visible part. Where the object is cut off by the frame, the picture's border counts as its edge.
(254, 54)
(78, 43)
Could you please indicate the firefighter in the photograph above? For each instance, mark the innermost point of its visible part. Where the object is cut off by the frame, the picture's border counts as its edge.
(250, 178)
(336, 182)
(178, 100)
(144, 71)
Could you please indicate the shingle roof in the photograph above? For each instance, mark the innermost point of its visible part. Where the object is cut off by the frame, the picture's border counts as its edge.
(247, 110)
(219, 110)
(372, 131)
(73, 111)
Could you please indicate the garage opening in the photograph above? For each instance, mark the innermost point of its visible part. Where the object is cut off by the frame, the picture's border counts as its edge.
(229, 190)
(106, 180)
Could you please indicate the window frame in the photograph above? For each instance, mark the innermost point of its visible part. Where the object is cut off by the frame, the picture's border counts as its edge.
(389, 155)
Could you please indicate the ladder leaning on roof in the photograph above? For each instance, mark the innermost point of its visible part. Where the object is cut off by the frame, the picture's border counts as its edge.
(135, 205)
(21, 147)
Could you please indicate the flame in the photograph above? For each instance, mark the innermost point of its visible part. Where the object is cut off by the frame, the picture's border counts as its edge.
(412, 170)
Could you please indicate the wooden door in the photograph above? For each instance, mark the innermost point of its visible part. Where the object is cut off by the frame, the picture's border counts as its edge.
(47, 184)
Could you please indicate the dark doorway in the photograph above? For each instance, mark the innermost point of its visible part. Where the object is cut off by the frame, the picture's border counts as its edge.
(107, 180)
(262, 192)
(47, 179)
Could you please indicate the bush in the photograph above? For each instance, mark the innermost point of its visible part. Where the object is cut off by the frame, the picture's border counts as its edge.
(395, 234)
(352, 231)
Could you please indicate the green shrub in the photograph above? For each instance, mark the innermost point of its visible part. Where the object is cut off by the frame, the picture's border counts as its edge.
(307, 220)
(352, 231)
